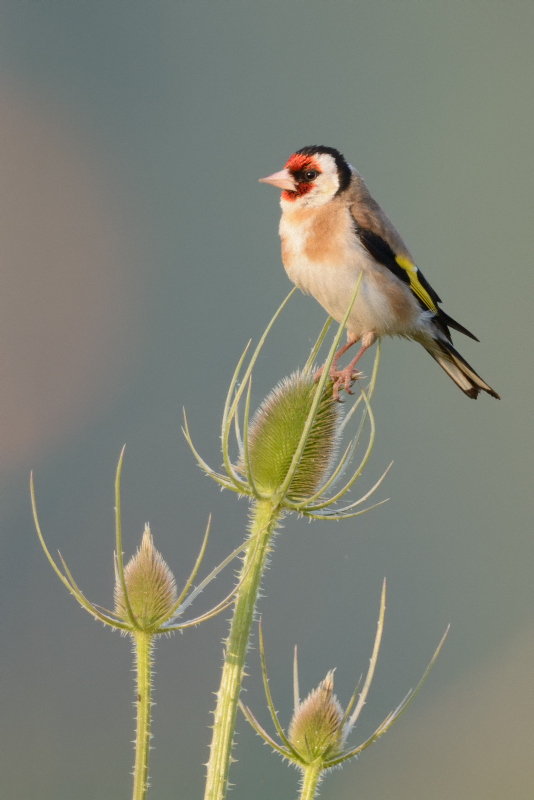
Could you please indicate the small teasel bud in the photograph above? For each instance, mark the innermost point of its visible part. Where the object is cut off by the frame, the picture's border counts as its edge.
(276, 430)
(316, 729)
(149, 583)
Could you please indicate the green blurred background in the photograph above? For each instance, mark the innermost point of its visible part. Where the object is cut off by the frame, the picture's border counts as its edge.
(138, 255)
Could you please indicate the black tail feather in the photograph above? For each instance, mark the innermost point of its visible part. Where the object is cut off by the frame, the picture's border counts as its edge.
(457, 368)
(451, 323)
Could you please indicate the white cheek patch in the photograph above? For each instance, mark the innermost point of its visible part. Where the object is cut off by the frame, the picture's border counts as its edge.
(325, 185)
(328, 181)
(328, 168)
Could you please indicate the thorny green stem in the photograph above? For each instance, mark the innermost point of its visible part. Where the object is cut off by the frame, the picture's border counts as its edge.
(311, 777)
(263, 523)
(143, 643)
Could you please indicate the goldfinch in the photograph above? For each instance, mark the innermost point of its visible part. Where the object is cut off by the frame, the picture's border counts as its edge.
(332, 231)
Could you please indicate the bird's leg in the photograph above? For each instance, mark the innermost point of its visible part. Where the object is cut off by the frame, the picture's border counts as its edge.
(333, 371)
(345, 377)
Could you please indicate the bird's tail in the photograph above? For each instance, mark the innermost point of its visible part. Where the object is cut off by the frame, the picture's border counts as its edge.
(459, 370)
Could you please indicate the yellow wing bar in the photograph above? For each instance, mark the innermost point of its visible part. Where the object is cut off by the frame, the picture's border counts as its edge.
(415, 284)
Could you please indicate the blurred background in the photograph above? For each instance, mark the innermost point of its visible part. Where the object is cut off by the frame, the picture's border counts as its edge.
(138, 255)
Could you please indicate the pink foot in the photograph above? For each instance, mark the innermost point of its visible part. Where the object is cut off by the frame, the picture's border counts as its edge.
(343, 379)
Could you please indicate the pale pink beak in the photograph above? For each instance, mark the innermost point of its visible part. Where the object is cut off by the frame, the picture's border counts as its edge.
(282, 179)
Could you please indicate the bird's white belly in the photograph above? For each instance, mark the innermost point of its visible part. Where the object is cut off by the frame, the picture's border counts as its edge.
(333, 287)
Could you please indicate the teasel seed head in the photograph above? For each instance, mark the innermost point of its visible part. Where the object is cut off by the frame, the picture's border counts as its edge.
(276, 430)
(150, 586)
(316, 728)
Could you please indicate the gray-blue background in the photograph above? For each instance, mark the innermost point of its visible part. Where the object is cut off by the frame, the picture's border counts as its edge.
(138, 254)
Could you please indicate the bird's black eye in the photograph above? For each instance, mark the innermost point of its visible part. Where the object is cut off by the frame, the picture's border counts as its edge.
(310, 175)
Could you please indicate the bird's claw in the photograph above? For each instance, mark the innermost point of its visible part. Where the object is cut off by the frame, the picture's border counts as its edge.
(342, 378)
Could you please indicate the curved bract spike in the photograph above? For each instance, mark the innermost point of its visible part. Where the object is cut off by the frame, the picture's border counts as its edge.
(53, 564)
(240, 485)
(231, 388)
(349, 706)
(231, 408)
(227, 421)
(261, 731)
(334, 516)
(374, 373)
(111, 618)
(246, 449)
(238, 436)
(92, 609)
(317, 346)
(358, 472)
(351, 413)
(190, 580)
(372, 664)
(190, 623)
(391, 718)
(362, 499)
(269, 699)
(202, 585)
(118, 544)
(353, 445)
(229, 599)
(370, 390)
(68, 581)
(296, 693)
(222, 480)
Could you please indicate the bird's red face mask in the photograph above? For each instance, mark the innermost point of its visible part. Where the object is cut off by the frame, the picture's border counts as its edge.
(297, 178)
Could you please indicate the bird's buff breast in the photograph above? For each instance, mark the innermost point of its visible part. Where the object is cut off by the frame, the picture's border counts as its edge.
(322, 255)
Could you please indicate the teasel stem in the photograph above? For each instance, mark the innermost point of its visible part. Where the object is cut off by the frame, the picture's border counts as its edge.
(264, 519)
(143, 643)
(311, 779)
